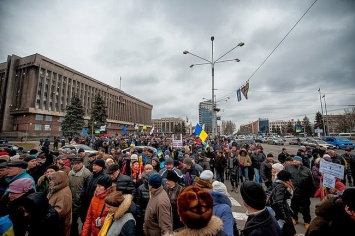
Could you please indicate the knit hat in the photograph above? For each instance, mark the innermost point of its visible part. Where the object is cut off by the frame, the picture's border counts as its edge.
(167, 152)
(187, 161)
(15, 157)
(206, 175)
(253, 194)
(134, 157)
(29, 158)
(169, 161)
(21, 185)
(219, 187)
(172, 176)
(278, 166)
(33, 151)
(156, 159)
(326, 157)
(348, 198)
(195, 207)
(155, 181)
(284, 175)
(105, 181)
(99, 162)
(80, 150)
(297, 158)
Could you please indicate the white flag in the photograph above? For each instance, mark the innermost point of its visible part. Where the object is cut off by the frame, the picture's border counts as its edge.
(151, 131)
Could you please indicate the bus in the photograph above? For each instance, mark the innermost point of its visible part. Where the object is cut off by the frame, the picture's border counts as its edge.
(345, 135)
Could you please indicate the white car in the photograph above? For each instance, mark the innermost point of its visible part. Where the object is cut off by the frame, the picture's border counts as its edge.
(76, 147)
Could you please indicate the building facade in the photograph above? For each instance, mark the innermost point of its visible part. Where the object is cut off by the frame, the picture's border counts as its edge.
(35, 91)
(167, 125)
(205, 115)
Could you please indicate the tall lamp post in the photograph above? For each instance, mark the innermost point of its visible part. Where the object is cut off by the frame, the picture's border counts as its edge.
(321, 106)
(92, 134)
(326, 114)
(212, 63)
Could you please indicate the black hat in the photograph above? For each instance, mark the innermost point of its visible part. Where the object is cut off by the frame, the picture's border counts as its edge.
(33, 151)
(348, 149)
(155, 181)
(172, 176)
(21, 164)
(348, 198)
(78, 159)
(253, 194)
(54, 167)
(81, 150)
(270, 155)
(29, 158)
(284, 175)
(105, 181)
(112, 168)
(99, 162)
(92, 155)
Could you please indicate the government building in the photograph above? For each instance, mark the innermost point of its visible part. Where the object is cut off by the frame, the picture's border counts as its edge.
(35, 91)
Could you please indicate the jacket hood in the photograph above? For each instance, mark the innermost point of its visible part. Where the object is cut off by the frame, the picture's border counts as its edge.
(220, 198)
(124, 207)
(60, 179)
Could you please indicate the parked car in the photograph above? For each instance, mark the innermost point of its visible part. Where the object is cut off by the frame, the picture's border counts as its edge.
(137, 147)
(275, 141)
(3, 141)
(293, 141)
(321, 143)
(76, 147)
(339, 142)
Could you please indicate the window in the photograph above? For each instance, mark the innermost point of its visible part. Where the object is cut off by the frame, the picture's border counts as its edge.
(61, 119)
(49, 118)
(39, 117)
(38, 127)
(47, 127)
(42, 71)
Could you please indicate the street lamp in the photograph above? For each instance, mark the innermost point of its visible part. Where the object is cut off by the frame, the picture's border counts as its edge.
(212, 63)
(321, 105)
(92, 134)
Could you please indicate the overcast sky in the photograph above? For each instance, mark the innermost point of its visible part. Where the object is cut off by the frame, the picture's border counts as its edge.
(142, 42)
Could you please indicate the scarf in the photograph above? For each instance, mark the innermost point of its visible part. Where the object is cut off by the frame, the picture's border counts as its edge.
(106, 226)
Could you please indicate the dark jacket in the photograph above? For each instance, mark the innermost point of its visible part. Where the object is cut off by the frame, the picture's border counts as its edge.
(173, 194)
(124, 184)
(262, 224)
(302, 180)
(257, 159)
(331, 219)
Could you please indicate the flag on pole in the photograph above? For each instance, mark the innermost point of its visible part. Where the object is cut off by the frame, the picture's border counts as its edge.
(135, 126)
(124, 130)
(203, 135)
(198, 129)
(151, 131)
(84, 131)
(245, 90)
(298, 129)
(239, 95)
(144, 127)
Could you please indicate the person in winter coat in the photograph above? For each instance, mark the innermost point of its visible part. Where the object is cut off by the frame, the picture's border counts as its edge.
(259, 222)
(43, 218)
(280, 194)
(222, 207)
(120, 219)
(220, 165)
(77, 177)
(97, 213)
(233, 168)
(158, 215)
(60, 198)
(266, 170)
(245, 163)
(257, 157)
(195, 207)
(43, 181)
(334, 216)
(15, 197)
(173, 189)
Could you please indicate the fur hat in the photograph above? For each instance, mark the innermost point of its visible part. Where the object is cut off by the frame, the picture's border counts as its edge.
(172, 176)
(105, 181)
(21, 185)
(219, 187)
(155, 181)
(195, 207)
(206, 175)
(202, 183)
(99, 162)
(253, 194)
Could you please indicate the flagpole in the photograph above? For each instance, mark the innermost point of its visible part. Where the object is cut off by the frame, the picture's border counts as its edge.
(326, 114)
(321, 105)
(120, 82)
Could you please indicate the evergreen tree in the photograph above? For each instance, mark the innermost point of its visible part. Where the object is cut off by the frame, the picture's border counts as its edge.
(307, 126)
(318, 121)
(290, 128)
(98, 114)
(73, 122)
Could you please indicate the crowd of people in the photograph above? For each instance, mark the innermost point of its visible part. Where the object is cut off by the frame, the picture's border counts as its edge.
(175, 191)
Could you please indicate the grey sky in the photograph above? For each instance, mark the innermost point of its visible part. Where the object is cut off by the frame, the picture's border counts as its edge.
(143, 41)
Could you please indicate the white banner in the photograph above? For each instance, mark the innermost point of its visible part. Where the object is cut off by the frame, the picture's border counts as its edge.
(333, 169)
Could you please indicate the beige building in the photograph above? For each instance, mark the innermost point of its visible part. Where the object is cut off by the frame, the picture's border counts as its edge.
(35, 90)
(166, 125)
